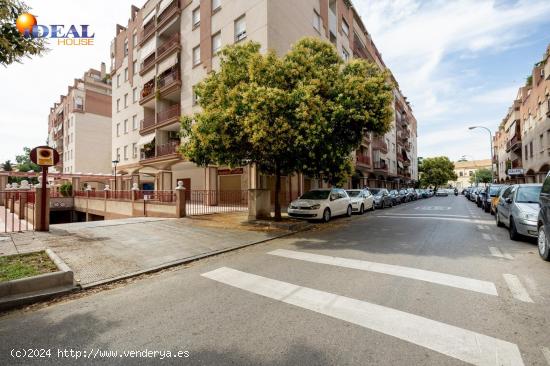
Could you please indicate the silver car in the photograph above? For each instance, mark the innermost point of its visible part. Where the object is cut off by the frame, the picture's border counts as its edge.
(518, 209)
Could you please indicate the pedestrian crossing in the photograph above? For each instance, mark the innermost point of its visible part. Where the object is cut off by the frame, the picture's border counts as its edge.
(450, 340)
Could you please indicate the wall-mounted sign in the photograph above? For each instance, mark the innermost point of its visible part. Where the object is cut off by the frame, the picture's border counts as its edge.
(230, 171)
(44, 156)
(517, 171)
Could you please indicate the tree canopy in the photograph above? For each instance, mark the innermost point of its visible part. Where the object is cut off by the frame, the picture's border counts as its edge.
(13, 46)
(7, 166)
(436, 171)
(303, 112)
(482, 176)
(24, 163)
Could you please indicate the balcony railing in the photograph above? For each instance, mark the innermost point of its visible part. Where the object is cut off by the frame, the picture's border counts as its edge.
(405, 133)
(380, 165)
(166, 13)
(380, 146)
(168, 78)
(172, 41)
(148, 122)
(172, 112)
(168, 149)
(147, 30)
(363, 159)
(516, 163)
(148, 89)
(147, 63)
(513, 143)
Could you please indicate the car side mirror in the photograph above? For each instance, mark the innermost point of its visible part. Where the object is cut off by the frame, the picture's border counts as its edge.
(508, 200)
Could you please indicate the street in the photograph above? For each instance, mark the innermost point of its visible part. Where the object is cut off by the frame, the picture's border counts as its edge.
(430, 282)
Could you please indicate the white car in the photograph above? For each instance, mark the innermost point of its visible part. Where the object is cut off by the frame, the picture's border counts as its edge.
(321, 204)
(361, 200)
(442, 193)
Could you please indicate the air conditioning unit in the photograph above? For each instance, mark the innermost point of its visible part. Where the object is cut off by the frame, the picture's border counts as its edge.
(240, 36)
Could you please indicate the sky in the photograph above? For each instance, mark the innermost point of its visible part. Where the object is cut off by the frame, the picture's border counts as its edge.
(460, 64)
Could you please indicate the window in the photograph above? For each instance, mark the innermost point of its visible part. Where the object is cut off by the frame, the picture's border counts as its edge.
(526, 152)
(125, 47)
(345, 55)
(345, 27)
(126, 100)
(196, 17)
(118, 81)
(216, 42)
(134, 67)
(196, 55)
(461, 174)
(195, 96)
(240, 29)
(531, 148)
(134, 150)
(216, 4)
(118, 129)
(118, 105)
(134, 39)
(125, 126)
(134, 95)
(118, 153)
(126, 74)
(332, 38)
(126, 152)
(134, 122)
(316, 21)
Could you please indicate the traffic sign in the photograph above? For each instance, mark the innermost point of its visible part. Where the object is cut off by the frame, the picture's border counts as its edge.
(44, 156)
(517, 171)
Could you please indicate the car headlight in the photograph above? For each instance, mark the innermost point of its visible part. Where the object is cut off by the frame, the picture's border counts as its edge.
(315, 207)
(293, 207)
(528, 217)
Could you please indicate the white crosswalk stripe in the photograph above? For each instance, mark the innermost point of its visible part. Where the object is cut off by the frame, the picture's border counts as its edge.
(516, 288)
(546, 354)
(496, 252)
(462, 344)
(401, 271)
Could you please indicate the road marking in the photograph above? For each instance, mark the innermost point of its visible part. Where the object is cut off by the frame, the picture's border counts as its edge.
(429, 214)
(496, 252)
(438, 217)
(516, 288)
(444, 279)
(433, 208)
(462, 344)
(486, 236)
(546, 353)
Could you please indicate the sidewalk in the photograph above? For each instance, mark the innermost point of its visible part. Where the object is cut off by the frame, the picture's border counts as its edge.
(103, 251)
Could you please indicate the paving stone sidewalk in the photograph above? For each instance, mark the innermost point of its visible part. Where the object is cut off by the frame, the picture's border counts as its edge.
(105, 250)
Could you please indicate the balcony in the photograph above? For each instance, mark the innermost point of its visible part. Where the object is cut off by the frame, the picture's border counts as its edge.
(160, 152)
(147, 123)
(405, 134)
(362, 160)
(147, 93)
(381, 166)
(380, 146)
(168, 12)
(147, 64)
(166, 117)
(78, 108)
(170, 44)
(516, 163)
(358, 49)
(514, 143)
(147, 31)
(169, 79)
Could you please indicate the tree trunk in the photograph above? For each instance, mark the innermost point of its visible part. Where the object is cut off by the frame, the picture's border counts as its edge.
(277, 198)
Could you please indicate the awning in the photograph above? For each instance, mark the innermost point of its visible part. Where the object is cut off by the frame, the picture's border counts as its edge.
(168, 63)
(148, 48)
(149, 17)
(144, 140)
(400, 164)
(163, 5)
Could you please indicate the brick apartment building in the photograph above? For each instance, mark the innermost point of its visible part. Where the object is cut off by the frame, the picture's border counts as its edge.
(169, 46)
(523, 138)
(79, 125)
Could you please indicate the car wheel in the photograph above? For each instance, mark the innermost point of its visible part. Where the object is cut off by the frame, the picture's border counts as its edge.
(349, 212)
(544, 247)
(497, 219)
(487, 208)
(514, 235)
(373, 207)
(362, 209)
(326, 215)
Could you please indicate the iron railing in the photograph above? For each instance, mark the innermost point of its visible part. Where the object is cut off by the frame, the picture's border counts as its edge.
(204, 202)
(15, 211)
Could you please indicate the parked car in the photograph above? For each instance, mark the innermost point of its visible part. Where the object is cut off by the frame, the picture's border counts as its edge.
(494, 193)
(404, 195)
(473, 194)
(544, 220)
(382, 197)
(321, 204)
(412, 194)
(419, 193)
(518, 209)
(441, 192)
(361, 200)
(481, 195)
(396, 197)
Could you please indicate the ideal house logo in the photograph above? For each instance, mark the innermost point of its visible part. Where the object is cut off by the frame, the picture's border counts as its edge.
(72, 35)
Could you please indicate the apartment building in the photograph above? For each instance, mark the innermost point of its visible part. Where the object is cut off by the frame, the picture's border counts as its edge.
(466, 170)
(169, 46)
(522, 142)
(79, 125)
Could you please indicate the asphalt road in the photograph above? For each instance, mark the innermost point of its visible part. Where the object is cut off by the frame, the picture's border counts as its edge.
(432, 282)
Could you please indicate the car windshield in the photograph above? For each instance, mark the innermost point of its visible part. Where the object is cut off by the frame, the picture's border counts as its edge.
(529, 194)
(493, 191)
(374, 191)
(353, 193)
(316, 195)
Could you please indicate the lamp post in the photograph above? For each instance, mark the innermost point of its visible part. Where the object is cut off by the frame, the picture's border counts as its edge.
(115, 162)
(491, 146)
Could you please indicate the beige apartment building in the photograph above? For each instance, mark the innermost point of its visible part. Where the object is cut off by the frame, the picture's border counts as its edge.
(79, 125)
(169, 46)
(522, 142)
(466, 170)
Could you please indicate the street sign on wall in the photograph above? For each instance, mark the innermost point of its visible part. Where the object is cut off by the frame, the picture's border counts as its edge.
(517, 171)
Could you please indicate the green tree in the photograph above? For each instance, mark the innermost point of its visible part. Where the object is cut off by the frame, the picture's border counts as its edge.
(24, 163)
(6, 166)
(66, 190)
(304, 112)
(13, 46)
(436, 171)
(482, 176)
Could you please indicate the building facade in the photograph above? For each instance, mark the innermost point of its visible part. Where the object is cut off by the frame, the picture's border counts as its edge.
(169, 46)
(522, 141)
(466, 170)
(79, 125)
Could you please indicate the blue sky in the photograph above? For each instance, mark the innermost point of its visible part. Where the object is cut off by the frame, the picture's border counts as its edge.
(459, 62)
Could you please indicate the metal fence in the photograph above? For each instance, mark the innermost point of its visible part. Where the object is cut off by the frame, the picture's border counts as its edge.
(15, 209)
(204, 202)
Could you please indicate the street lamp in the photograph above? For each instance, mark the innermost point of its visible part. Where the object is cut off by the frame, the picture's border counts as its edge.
(115, 162)
(491, 145)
